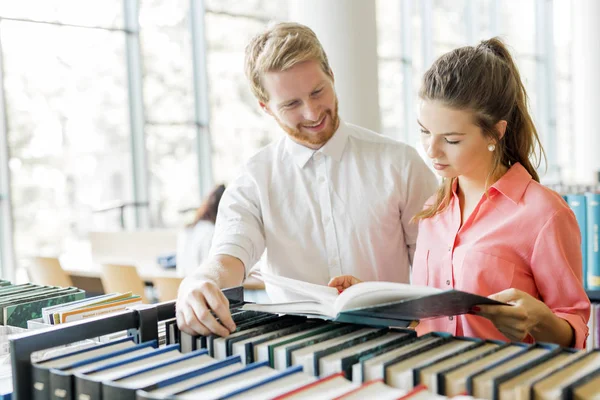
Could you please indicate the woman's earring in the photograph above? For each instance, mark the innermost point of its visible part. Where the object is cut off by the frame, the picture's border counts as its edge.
(491, 147)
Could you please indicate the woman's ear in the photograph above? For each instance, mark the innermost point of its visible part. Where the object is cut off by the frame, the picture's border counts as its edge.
(501, 128)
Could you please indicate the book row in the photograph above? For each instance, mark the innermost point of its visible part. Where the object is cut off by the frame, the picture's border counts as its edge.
(271, 356)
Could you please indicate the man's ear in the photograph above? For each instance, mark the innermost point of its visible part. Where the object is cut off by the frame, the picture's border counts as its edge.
(265, 108)
(501, 128)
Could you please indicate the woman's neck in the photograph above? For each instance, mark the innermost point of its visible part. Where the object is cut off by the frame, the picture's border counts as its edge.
(470, 188)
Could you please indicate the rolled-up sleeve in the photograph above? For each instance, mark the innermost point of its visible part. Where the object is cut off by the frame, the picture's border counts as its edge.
(557, 268)
(239, 229)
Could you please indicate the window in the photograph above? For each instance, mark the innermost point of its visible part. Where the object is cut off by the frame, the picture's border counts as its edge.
(67, 118)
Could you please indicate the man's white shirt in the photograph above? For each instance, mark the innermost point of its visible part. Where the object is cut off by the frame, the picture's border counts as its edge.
(344, 209)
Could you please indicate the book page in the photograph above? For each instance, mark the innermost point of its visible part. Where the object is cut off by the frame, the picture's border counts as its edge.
(367, 294)
(310, 291)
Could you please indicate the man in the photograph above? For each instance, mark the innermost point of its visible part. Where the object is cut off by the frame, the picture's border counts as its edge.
(327, 199)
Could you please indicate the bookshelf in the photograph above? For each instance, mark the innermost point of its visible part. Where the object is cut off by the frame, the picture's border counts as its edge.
(594, 295)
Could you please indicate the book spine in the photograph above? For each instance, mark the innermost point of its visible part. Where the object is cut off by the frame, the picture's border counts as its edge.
(115, 392)
(578, 204)
(41, 383)
(86, 389)
(61, 385)
(593, 242)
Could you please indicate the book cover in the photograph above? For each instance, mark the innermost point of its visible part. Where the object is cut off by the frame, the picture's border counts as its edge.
(41, 370)
(402, 371)
(271, 386)
(427, 374)
(105, 308)
(19, 314)
(592, 277)
(62, 379)
(482, 384)
(124, 387)
(220, 386)
(453, 381)
(578, 203)
(169, 387)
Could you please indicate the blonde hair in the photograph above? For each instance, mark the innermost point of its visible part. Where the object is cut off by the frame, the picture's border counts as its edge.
(279, 48)
(484, 79)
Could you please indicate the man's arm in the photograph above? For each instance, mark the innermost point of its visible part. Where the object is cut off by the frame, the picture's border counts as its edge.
(201, 293)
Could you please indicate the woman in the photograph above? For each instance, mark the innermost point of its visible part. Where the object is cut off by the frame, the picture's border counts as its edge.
(492, 228)
(193, 243)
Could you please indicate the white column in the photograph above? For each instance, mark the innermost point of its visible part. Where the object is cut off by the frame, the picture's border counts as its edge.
(347, 30)
(586, 89)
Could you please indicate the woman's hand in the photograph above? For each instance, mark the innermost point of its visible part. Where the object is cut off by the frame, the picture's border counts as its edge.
(343, 282)
(525, 316)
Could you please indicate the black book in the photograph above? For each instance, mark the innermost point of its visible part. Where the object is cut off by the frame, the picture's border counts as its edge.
(88, 385)
(124, 388)
(62, 382)
(41, 370)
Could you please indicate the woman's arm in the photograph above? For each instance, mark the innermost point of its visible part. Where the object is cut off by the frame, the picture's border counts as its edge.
(526, 316)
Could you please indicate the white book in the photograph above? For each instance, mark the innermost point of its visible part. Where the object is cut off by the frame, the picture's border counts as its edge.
(306, 355)
(222, 387)
(328, 302)
(400, 375)
(332, 363)
(373, 368)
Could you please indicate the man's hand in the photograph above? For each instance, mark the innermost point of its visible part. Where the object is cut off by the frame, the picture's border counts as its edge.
(523, 317)
(195, 300)
(343, 282)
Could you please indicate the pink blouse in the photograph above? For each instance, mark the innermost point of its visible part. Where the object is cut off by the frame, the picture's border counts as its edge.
(523, 236)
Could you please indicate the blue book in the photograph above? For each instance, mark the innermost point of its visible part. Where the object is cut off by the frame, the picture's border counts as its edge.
(124, 388)
(62, 381)
(41, 370)
(182, 382)
(88, 384)
(578, 204)
(223, 385)
(592, 276)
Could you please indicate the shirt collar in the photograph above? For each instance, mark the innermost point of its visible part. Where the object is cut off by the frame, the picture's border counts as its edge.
(333, 148)
(513, 183)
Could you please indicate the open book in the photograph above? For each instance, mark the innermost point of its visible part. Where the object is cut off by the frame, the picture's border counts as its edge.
(370, 302)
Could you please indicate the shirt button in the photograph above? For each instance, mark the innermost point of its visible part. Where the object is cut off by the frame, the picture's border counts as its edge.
(448, 282)
(450, 318)
(326, 220)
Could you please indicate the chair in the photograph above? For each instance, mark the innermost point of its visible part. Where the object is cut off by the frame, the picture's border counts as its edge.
(166, 287)
(48, 271)
(123, 278)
